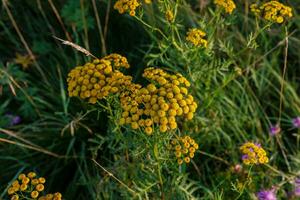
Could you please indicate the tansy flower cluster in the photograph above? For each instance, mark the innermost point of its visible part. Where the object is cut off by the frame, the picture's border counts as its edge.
(253, 154)
(117, 61)
(29, 187)
(184, 149)
(273, 11)
(55, 196)
(228, 5)
(160, 103)
(126, 6)
(129, 6)
(98, 79)
(196, 37)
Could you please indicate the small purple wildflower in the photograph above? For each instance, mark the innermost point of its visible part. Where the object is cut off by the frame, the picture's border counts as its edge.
(257, 144)
(274, 129)
(297, 192)
(296, 122)
(13, 119)
(16, 120)
(245, 157)
(266, 195)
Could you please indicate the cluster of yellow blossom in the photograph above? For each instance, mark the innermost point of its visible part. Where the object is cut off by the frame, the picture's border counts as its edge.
(196, 37)
(55, 196)
(98, 79)
(184, 149)
(117, 61)
(127, 6)
(228, 5)
(253, 154)
(30, 186)
(160, 102)
(169, 15)
(272, 11)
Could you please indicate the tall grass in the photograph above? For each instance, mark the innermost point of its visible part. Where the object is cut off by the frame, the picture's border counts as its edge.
(244, 82)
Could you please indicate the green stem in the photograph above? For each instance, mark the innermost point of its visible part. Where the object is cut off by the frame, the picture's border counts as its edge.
(151, 27)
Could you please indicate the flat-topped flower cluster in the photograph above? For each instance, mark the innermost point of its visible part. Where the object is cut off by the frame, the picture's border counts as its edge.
(30, 186)
(161, 103)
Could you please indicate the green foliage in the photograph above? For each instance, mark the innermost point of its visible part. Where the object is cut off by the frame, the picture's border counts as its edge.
(238, 82)
(76, 15)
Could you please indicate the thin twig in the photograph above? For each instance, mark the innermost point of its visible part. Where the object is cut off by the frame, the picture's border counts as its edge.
(284, 72)
(111, 175)
(16, 135)
(39, 149)
(106, 19)
(59, 20)
(99, 26)
(282, 95)
(14, 23)
(86, 41)
(214, 157)
(75, 46)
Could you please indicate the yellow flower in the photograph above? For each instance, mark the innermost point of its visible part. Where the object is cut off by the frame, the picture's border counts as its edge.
(148, 130)
(15, 197)
(187, 159)
(21, 176)
(126, 6)
(40, 187)
(25, 60)
(134, 125)
(169, 15)
(157, 104)
(163, 128)
(34, 194)
(179, 161)
(49, 196)
(273, 11)
(57, 194)
(227, 5)
(96, 80)
(23, 187)
(253, 154)
(31, 175)
(34, 181)
(25, 180)
(11, 190)
(196, 37)
(117, 61)
(184, 149)
(15, 183)
(29, 189)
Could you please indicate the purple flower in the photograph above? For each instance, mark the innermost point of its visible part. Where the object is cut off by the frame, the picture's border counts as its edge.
(274, 130)
(16, 120)
(296, 122)
(297, 192)
(13, 119)
(297, 187)
(245, 157)
(266, 195)
(257, 144)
